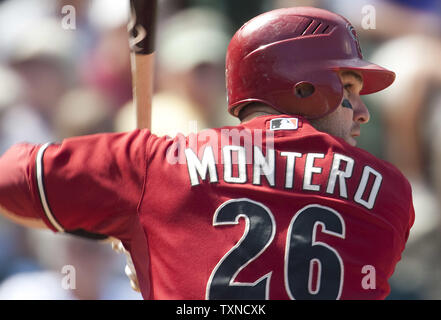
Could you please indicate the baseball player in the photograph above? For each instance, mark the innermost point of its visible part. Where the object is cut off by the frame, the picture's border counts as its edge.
(281, 206)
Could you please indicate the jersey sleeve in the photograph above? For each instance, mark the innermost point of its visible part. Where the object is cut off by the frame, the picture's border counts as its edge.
(18, 192)
(88, 185)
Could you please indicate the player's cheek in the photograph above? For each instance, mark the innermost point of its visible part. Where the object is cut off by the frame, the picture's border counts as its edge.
(347, 115)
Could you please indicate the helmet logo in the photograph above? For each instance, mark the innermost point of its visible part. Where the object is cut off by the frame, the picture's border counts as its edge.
(354, 36)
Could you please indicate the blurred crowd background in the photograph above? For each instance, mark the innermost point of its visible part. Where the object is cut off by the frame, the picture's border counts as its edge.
(63, 77)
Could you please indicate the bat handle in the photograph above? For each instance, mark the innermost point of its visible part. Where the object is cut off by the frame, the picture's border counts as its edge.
(143, 88)
(142, 45)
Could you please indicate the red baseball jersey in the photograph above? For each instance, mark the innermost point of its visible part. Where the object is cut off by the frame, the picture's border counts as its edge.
(269, 209)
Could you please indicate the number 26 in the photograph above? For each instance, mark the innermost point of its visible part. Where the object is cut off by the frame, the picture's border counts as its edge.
(302, 249)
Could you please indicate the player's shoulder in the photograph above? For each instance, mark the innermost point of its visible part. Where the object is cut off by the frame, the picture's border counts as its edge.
(362, 155)
(388, 170)
(297, 132)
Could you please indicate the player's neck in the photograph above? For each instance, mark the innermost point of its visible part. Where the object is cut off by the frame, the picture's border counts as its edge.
(255, 115)
(256, 110)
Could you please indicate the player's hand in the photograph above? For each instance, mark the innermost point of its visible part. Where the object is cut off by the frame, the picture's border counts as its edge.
(130, 268)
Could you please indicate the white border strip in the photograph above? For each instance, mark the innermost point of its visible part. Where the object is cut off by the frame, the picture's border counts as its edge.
(40, 176)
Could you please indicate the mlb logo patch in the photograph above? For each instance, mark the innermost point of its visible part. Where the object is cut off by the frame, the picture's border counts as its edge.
(284, 124)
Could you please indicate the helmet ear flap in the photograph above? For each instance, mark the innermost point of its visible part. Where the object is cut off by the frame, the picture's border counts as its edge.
(304, 89)
(318, 95)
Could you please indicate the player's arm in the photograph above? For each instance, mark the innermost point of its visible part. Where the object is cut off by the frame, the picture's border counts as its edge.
(88, 185)
(16, 199)
(36, 223)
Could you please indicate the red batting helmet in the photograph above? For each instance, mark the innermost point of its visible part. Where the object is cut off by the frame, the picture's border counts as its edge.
(278, 52)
